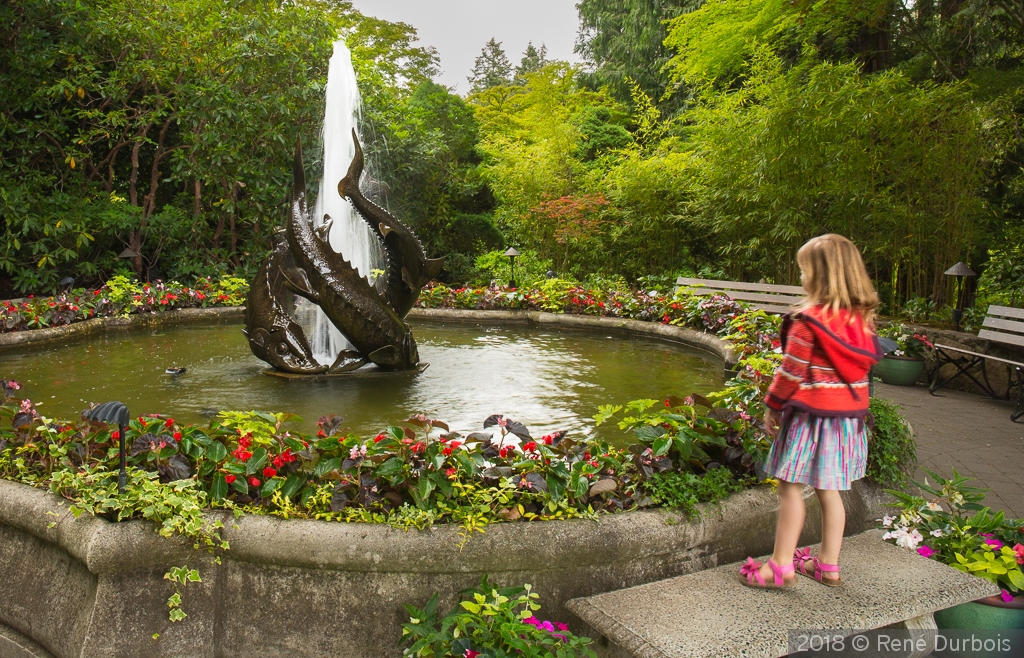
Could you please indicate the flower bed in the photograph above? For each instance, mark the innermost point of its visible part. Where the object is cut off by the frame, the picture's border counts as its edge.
(946, 522)
(119, 297)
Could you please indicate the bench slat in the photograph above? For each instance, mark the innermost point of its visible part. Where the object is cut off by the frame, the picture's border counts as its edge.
(741, 285)
(1008, 325)
(771, 308)
(950, 348)
(1000, 337)
(751, 296)
(1006, 311)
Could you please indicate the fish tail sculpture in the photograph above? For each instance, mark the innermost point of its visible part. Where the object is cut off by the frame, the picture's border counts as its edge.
(351, 303)
(272, 334)
(408, 268)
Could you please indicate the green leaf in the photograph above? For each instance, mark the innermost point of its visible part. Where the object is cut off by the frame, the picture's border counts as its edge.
(292, 485)
(270, 486)
(661, 445)
(216, 451)
(256, 462)
(219, 488)
(390, 467)
(556, 487)
(325, 466)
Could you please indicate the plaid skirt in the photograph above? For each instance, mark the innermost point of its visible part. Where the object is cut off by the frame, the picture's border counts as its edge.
(824, 452)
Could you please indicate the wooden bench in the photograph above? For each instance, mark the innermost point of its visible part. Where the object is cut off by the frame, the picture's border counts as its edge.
(709, 614)
(1002, 324)
(763, 296)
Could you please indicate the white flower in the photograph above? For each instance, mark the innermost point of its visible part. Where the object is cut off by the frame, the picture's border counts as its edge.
(896, 534)
(910, 539)
(887, 521)
(935, 533)
(935, 507)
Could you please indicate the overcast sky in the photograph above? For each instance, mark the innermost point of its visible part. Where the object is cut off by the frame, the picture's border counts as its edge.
(458, 29)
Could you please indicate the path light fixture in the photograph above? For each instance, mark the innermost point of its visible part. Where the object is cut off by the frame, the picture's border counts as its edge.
(65, 285)
(512, 253)
(113, 412)
(960, 271)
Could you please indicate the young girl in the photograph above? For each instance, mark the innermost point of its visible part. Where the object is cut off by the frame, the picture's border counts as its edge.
(816, 408)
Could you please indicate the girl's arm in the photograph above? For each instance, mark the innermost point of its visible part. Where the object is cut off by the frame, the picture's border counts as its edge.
(794, 367)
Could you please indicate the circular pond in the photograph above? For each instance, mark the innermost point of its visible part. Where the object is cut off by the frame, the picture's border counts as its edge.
(549, 379)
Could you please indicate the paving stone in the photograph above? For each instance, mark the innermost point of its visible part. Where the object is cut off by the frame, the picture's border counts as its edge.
(970, 433)
(709, 614)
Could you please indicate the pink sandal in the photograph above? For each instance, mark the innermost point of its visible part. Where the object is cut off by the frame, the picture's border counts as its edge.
(800, 559)
(751, 577)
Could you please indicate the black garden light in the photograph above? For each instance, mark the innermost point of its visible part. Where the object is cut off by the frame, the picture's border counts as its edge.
(960, 271)
(113, 412)
(512, 253)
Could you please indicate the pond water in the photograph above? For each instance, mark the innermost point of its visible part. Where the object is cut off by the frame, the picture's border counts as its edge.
(547, 379)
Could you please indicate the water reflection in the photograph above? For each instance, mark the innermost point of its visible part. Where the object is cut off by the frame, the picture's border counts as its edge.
(547, 379)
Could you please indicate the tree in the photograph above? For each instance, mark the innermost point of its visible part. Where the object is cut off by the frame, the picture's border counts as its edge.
(491, 68)
(622, 40)
(533, 60)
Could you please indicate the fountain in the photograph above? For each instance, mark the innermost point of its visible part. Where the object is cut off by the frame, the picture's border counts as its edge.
(328, 258)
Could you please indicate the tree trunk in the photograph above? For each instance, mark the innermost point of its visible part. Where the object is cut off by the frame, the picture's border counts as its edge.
(231, 220)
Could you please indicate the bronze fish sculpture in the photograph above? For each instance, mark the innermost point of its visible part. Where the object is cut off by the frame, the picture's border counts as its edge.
(350, 302)
(408, 268)
(273, 336)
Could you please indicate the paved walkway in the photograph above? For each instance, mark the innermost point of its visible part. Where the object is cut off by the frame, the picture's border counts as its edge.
(967, 432)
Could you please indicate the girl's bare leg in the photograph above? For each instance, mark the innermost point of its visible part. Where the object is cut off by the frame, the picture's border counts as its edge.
(790, 525)
(833, 524)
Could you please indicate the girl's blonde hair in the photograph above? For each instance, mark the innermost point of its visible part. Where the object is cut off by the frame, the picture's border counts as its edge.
(835, 278)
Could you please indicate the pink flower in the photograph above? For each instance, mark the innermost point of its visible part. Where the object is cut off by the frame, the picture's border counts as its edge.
(1019, 550)
(926, 551)
(1006, 596)
(994, 543)
(470, 654)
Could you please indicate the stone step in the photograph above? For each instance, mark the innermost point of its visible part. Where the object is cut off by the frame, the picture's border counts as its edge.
(709, 614)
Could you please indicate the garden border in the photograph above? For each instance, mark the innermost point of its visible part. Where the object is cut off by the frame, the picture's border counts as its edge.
(16, 339)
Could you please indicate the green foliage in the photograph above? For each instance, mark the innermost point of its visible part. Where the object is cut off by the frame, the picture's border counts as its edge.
(179, 576)
(685, 491)
(491, 621)
(948, 523)
(168, 131)
(176, 508)
(491, 68)
(892, 453)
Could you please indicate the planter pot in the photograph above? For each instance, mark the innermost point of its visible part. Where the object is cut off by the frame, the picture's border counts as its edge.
(988, 613)
(899, 370)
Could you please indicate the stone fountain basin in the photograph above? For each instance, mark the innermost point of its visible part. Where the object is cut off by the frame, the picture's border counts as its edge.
(88, 587)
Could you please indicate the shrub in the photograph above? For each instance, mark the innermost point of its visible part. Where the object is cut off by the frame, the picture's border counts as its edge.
(893, 450)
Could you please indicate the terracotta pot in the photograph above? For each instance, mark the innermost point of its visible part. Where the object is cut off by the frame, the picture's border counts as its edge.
(899, 370)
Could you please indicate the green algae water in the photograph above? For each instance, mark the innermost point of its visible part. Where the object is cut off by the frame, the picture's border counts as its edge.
(548, 379)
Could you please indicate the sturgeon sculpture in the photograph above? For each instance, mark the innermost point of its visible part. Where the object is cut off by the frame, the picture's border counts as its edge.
(273, 336)
(305, 264)
(408, 268)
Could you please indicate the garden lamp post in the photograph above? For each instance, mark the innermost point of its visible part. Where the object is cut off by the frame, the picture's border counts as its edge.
(113, 412)
(512, 253)
(960, 271)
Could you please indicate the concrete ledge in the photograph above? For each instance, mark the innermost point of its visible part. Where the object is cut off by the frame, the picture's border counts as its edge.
(15, 645)
(698, 339)
(87, 587)
(17, 339)
(711, 614)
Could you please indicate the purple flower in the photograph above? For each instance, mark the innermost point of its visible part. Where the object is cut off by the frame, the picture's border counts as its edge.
(1006, 596)
(926, 551)
(994, 543)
